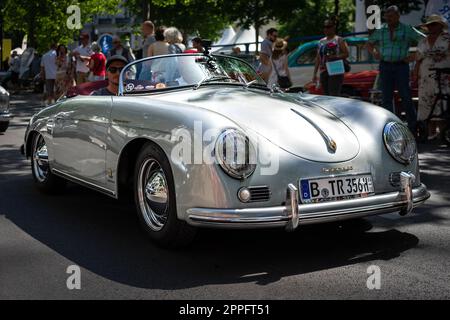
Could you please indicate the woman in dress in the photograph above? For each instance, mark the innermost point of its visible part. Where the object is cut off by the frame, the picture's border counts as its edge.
(279, 62)
(432, 52)
(63, 69)
(331, 48)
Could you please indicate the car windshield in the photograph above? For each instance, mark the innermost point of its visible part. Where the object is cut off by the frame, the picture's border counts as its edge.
(186, 70)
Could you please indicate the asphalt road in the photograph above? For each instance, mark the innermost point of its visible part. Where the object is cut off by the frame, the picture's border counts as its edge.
(41, 236)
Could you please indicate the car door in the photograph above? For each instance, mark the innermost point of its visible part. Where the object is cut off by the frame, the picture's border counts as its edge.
(80, 138)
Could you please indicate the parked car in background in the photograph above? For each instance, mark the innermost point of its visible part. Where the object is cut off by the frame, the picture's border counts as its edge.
(301, 61)
(5, 115)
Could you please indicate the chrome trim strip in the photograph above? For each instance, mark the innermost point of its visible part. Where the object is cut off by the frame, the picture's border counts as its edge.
(331, 144)
(84, 183)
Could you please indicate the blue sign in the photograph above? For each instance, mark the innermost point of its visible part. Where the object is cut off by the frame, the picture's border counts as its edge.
(105, 42)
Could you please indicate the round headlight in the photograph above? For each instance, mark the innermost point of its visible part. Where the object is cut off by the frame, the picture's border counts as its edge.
(235, 154)
(400, 142)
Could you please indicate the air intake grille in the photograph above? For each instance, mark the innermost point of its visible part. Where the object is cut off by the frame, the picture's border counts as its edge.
(259, 194)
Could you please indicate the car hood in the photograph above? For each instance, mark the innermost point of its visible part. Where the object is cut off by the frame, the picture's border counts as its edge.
(299, 127)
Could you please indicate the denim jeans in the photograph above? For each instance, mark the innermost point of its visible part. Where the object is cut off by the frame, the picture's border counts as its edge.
(396, 76)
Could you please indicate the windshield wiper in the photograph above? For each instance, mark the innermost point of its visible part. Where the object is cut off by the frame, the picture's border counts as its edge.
(209, 79)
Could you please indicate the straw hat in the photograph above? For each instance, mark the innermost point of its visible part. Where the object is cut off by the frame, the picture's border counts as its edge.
(280, 45)
(434, 18)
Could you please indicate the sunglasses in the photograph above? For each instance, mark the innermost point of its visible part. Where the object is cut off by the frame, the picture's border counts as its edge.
(328, 26)
(115, 69)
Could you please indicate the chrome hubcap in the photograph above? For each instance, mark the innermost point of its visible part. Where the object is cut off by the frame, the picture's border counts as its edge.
(40, 159)
(153, 194)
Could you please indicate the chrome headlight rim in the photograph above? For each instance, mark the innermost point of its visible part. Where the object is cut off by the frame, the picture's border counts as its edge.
(406, 135)
(224, 165)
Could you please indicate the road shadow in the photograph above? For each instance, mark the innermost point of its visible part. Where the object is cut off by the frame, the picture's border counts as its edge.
(103, 236)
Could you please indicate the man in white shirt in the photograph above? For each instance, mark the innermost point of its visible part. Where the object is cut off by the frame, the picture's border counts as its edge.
(48, 73)
(265, 67)
(83, 55)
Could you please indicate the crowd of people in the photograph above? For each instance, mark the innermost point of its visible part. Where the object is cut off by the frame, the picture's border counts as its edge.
(61, 69)
(391, 45)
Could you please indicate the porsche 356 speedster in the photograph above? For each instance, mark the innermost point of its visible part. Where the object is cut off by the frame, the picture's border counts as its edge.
(200, 141)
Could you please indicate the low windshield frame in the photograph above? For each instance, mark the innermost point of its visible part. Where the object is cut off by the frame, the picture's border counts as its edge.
(159, 90)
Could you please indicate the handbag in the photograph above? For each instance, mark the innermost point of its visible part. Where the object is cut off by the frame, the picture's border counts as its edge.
(347, 66)
(283, 81)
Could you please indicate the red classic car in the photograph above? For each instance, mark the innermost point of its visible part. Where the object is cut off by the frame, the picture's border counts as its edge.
(361, 85)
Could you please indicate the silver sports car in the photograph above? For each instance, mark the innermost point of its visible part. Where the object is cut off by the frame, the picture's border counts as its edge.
(200, 141)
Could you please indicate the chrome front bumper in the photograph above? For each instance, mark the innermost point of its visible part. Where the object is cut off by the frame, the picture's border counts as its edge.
(294, 214)
(6, 116)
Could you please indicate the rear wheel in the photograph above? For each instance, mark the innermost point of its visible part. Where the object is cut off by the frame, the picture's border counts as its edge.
(155, 200)
(45, 180)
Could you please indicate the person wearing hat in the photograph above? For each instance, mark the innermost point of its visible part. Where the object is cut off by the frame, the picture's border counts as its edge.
(279, 61)
(432, 52)
(114, 66)
(82, 55)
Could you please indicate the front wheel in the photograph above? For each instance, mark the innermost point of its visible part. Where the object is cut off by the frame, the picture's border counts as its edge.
(45, 180)
(155, 200)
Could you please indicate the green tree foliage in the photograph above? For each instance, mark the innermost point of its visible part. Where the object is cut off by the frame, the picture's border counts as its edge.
(404, 6)
(308, 20)
(45, 21)
(205, 18)
(260, 12)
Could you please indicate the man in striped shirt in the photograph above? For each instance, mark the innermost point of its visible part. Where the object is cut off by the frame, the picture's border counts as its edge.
(391, 45)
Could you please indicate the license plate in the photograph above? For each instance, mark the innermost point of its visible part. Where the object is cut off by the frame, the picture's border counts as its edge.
(335, 188)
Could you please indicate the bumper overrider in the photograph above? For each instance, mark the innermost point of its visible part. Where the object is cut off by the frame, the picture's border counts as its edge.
(294, 214)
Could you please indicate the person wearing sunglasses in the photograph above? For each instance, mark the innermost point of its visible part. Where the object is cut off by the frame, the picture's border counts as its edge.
(330, 48)
(114, 66)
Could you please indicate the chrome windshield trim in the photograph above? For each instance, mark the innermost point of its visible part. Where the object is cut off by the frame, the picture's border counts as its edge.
(121, 88)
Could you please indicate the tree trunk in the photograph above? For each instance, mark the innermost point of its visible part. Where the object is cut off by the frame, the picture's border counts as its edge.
(256, 25)
(146, 12)
(336, 13)
(31, 37)
(257, 37)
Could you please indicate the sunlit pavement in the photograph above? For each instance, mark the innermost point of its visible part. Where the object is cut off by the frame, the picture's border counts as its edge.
(40, 236)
